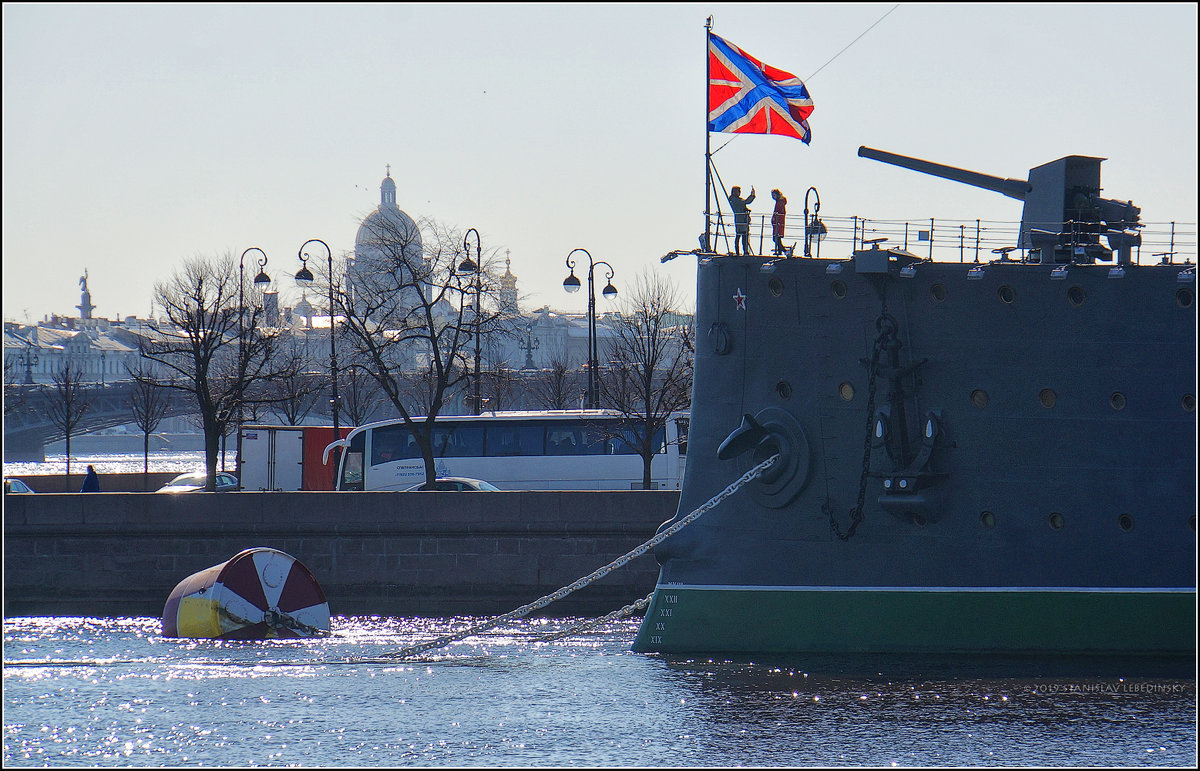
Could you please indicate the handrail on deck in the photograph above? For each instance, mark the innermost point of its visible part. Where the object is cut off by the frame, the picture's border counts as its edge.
(946, 240)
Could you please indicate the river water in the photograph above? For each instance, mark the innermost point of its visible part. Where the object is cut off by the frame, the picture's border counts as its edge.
(116, 463)
(113, 691)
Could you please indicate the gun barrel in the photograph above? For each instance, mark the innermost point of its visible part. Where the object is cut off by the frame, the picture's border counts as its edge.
(1013, 188)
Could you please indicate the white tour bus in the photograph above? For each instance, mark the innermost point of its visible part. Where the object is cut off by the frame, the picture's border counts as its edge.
(547, 450)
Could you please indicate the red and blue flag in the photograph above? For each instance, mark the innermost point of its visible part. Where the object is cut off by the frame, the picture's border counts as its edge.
(746, 96)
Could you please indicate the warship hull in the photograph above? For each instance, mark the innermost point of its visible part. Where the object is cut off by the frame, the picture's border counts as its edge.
(973, 458)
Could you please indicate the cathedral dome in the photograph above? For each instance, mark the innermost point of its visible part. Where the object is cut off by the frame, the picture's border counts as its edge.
(304, 310)
(387, 251)
(388, 222)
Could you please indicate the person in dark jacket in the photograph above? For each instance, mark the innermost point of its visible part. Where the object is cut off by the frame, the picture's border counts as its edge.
(91, 483)
(741, 219)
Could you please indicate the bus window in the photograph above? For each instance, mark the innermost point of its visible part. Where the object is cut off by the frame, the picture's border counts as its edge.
(681, 426)
(565, 440)
(390, 443)
(514, 439)
(454, 441)
(352, 464)
(628, 441)
(594, 442)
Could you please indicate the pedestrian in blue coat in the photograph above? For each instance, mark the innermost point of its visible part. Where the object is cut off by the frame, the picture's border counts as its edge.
(91, 483)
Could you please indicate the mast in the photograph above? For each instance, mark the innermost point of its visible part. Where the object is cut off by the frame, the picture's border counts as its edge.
(707, 245)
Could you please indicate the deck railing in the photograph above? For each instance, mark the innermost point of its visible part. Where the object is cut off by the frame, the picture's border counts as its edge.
(943, 240)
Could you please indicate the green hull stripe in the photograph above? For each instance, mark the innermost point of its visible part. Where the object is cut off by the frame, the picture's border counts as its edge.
(802, 619)
(967, 589)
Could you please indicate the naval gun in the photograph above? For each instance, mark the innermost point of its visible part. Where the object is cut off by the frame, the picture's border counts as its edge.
(1064, 216)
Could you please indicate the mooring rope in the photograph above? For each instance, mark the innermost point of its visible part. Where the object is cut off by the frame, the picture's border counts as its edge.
(595, 575)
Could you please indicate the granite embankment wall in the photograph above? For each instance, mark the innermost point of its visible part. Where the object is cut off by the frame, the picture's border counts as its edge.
(401, 554)
(109, 483)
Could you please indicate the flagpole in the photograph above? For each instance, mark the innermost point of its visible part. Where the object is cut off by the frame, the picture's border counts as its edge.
(707, 138)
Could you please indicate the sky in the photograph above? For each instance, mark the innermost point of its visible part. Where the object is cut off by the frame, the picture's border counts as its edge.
(136, 136)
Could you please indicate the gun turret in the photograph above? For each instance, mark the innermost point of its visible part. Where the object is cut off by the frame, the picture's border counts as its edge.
(1064, 215)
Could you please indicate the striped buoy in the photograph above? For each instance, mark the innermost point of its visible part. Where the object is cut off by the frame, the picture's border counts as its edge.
(258, 594)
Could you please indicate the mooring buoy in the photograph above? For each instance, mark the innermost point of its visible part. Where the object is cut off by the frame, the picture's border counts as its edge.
(259, 594)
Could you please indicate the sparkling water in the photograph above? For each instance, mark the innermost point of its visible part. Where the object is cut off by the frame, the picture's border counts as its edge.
(116, 463)
(113, 691)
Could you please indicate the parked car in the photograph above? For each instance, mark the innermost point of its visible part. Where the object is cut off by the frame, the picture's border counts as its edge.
(455, 484)
(14, 485)
(193, 482)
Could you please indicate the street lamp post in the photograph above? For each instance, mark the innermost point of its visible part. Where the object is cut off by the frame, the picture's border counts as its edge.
(813, 228)
(571, 284)
(476, 267)
(28, 359)
(261, 280)
(531, 345)
(304, 278)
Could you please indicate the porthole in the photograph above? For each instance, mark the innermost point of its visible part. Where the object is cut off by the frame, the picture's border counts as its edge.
(1188, 403)
(988, 520)
(1076, 296)
(1047, 397)
(838, 288)
(846, 391)
(776, 286)
(1184, 297)
(1006, 294)
(1125, 522)
(784, 389)
(1117, 401)
(979, 398)
(938, 292)
(1056, 520)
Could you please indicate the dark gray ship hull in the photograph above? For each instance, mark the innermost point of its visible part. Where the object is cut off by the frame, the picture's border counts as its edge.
(1029, 482)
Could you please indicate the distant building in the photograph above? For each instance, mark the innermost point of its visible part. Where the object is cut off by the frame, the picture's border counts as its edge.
(101, 350)
(105, 351)
(388, 242)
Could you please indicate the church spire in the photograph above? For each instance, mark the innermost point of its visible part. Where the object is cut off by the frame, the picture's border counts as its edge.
(387, 189)
(508, 285)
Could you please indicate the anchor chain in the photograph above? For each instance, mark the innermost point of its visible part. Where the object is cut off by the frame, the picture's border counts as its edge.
(887, 332)
(628, 610)
(275, 620)
(595, 575)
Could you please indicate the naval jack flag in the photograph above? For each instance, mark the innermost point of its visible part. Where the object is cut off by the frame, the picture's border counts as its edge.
(746, 96)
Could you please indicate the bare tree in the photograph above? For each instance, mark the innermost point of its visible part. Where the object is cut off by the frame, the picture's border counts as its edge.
(500, 386)
(293, 395)
(13, 400)
(66, 404)
(557, 386)
(294, 390)
(15, 394)
(149, 403)
(407, 321)
(360, 395)
(215, 348)
(650, 373)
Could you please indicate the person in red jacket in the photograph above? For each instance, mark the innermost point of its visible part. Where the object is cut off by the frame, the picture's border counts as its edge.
(777, 221)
